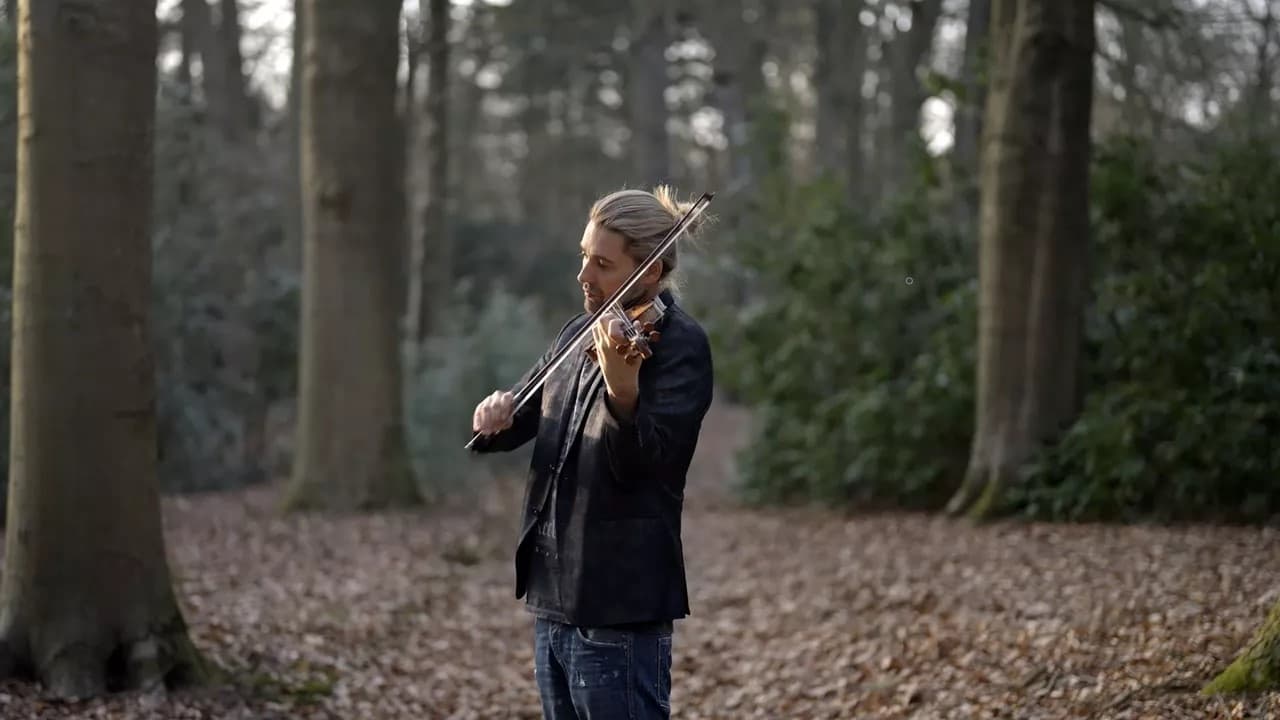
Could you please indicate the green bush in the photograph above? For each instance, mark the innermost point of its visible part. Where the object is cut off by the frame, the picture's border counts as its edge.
(856, 347)
(225, 315)
(1183, 346)
(864, 386)
(474, 352)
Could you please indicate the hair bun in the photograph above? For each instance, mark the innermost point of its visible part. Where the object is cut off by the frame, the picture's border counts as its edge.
(666, 195)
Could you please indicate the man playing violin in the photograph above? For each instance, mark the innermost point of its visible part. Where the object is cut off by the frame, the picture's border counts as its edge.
(600, 560)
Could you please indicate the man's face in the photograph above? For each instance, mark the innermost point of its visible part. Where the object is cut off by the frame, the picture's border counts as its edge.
(606, 265)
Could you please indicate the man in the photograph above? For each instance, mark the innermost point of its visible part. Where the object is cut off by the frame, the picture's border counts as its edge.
(599, 558)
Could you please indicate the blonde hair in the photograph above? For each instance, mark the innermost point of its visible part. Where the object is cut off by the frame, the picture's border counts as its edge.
(643, 219)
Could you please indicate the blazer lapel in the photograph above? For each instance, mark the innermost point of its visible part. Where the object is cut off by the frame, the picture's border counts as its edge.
(568, 389)
(593, 378)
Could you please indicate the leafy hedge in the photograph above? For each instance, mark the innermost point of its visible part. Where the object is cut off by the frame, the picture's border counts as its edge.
(1183, 347)
(855, 345)
(864, 384)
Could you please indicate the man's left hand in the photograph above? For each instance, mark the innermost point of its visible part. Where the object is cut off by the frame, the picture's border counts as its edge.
(620, 377)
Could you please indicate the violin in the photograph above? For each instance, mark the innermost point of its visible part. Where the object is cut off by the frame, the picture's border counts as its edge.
(639, 323)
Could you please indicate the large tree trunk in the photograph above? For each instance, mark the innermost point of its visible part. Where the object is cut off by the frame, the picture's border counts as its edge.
(351, 444)
(1258, 667)
(87, 601)
(432, 257)
(646, 96)
(1033, 239)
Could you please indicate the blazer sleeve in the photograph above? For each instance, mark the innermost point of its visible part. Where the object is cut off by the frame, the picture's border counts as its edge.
(524, 426)
(662, 432)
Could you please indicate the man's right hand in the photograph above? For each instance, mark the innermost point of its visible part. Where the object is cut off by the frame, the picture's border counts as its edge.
(494, 413)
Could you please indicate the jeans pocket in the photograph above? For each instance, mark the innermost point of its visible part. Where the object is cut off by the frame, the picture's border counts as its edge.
(600, 660)
(664, 671)
(605, 638)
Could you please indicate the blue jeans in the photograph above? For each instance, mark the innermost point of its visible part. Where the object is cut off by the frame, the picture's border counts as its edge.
(602, 673)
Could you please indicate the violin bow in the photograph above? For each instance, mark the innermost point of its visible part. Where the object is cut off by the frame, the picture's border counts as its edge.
(672, 236)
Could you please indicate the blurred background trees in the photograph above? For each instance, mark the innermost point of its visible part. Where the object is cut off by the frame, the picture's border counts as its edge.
(841, 285)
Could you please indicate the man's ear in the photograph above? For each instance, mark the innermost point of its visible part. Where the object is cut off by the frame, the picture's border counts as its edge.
(654, 273)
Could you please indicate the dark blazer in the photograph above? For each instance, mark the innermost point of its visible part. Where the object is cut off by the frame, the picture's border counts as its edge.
(622, 559)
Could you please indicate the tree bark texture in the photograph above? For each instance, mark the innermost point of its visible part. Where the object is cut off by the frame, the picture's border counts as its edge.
(1033, 239)
(432, 255)
(87, 603)
(351, 443)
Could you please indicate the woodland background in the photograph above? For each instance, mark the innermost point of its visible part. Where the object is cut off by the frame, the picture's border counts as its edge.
(973, 260)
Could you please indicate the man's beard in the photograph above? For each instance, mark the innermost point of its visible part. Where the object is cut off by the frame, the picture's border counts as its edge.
(592, 302)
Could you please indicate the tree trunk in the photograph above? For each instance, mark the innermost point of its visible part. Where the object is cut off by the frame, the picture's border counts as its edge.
(829, 37)
(87, 601)
(293, 194)
(351, 445)
(407, 122)
(1033, 239)
(432, 256)
(1258, 667)
(236, 113)
(646, 96)
(906, 53)
(968, 123)
(738, 87)
(197, 19)
(534, 120)
(855, 157)
(1261, 112)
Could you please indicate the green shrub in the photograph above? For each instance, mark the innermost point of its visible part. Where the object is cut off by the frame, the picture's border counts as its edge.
(855, 346)
(224, 312)
(864, 386)
(474, 352)
(1183, 346)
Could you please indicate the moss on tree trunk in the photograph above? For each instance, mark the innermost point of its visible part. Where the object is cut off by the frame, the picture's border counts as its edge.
(351, 451)
(1258, 667)
(87, 603)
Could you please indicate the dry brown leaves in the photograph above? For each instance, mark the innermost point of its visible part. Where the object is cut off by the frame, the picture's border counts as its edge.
(797, 614)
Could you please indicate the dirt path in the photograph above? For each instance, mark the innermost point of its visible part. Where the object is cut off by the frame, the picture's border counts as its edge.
(797, 614)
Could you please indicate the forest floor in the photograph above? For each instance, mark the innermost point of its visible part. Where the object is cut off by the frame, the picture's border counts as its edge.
(796, 613)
